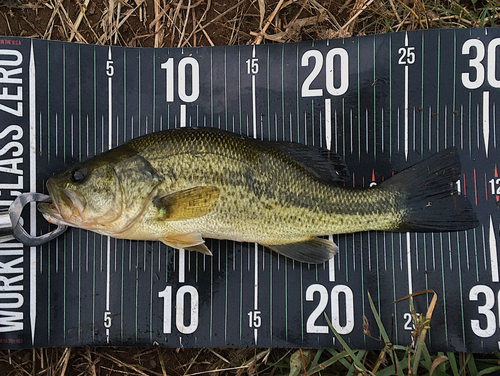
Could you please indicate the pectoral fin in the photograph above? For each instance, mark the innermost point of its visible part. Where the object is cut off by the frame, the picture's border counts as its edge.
(192, 242)
(187, 203)
(313, 251)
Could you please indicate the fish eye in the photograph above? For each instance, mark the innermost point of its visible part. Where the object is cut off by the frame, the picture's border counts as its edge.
(78, 175)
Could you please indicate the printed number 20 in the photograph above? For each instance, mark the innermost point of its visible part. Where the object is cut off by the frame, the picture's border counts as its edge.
(311, 326)
(330, 72)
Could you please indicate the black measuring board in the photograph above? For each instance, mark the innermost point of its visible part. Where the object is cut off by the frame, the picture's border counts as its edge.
(382, 102)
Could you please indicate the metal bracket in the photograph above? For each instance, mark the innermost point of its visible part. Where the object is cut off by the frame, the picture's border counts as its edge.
(11, 223)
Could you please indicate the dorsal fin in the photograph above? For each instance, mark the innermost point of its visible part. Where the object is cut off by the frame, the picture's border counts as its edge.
(323, 165)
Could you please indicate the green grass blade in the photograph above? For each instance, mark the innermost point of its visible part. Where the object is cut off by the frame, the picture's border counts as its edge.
(345, 346)
(334, 359)
(489, 370)
(471, 365)
(383, 333)
(316, 358)
(344, 361)
(453, 363)
(390, 370)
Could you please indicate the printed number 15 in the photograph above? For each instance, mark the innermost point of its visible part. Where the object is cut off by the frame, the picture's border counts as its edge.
(252, 65)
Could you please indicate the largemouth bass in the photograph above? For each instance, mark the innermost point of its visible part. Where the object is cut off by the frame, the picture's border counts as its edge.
(180, 186)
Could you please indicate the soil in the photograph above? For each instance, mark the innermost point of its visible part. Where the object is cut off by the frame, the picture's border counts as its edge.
(233, 21)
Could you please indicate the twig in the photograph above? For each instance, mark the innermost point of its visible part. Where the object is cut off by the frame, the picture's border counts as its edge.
(83, 9)
(185, 24)
(29, 23)
(394, 10)
(124, 19)
(268, 23)
(63, 361)
(205, 33)
(157, 24)
(217, 370)
(194, 25)
(118, 14)
(50, 24)
(262, 12)
(356, 15)
(219, 356)
(190, 6)
(221, 15)
(331, 17)
(412, 12)
(70, 24)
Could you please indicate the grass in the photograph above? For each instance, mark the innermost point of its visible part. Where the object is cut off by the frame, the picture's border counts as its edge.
(161, 23)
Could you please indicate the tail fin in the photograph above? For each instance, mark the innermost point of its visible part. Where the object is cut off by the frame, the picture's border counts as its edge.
(430, 201)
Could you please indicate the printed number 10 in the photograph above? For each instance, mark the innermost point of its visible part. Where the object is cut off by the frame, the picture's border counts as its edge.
(180, 312)
(183, 93)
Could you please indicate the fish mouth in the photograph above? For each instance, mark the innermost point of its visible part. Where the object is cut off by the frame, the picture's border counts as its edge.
(51, 214)
(65, 208)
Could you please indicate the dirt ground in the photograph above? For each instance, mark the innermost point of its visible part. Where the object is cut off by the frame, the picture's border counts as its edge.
(160, 23)
(167, 23)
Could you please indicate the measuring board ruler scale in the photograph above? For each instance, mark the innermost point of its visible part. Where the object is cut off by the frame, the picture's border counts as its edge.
(382, 102)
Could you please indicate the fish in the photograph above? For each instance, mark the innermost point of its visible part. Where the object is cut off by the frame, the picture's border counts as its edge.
(183, 185)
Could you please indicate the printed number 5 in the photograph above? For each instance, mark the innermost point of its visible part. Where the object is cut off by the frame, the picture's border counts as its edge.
(110, 69)
(107, 319)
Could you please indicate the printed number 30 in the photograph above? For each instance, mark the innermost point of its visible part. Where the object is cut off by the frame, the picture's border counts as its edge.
(478, 66)
(485, 310)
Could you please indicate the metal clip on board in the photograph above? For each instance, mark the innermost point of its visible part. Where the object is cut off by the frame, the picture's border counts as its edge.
(11, 223)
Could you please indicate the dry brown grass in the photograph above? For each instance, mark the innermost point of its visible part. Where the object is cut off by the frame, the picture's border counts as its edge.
(178, 23)
(95, 361)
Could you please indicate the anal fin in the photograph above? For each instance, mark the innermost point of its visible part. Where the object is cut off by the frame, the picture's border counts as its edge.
(202, 248)
(191, 241)
(313, 251)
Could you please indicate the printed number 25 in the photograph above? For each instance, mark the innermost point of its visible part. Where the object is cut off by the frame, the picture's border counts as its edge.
(407, 55)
